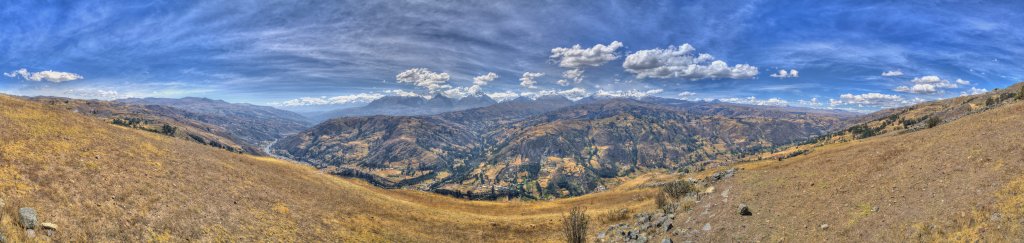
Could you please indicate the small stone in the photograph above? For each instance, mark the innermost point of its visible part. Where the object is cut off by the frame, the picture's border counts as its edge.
(666, 240)
(707, 227)
(874, 209)
(30, 233)
(3, 238)
(27, 218)
(824, 226)
(744, 210)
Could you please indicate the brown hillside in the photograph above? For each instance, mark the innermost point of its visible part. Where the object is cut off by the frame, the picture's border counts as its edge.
(960, 181)
(102, 182)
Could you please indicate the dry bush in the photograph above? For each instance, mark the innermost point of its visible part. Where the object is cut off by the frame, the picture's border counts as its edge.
(677, 189)
(574, 225)
(616, 215)
(661, 201)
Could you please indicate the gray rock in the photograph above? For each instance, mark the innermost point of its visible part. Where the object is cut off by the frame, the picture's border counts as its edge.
(643, 218)
(666, 240)
(667, 226)
(744, 210)
(3, 238)
(27, 218)
(824, 226)
(707, 227)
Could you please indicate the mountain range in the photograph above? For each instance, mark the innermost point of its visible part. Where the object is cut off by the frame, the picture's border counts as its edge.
(408, 106)
(549, 146)
(956, 177)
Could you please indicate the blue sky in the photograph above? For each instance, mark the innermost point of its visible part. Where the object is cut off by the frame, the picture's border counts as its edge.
(293, 54)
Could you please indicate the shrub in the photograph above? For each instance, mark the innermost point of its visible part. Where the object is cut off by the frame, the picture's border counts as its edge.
(934, 121)
(661, 201)
(677, 189)
(617, 215)
(168, 130)
(1020, 95)
(574, 225)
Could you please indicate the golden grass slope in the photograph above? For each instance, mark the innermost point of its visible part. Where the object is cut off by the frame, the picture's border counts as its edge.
(101, 182)
(962, 181)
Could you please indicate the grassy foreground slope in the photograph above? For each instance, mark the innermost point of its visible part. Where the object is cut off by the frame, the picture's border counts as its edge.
(961, 181)
(101, 182)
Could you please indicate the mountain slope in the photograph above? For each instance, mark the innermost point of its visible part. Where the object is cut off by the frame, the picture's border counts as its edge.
(959, 181)
(925, 115)
(250, 124)
(543, 148)
(101, 182)
(155, 118)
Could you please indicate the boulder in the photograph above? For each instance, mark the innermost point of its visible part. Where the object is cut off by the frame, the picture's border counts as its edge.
(744, 210)
(27, 217)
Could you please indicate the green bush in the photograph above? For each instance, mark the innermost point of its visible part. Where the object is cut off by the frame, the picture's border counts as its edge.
(934, 121)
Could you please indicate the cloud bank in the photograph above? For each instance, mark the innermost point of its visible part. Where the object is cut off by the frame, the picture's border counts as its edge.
(683, 62)
(48, 75)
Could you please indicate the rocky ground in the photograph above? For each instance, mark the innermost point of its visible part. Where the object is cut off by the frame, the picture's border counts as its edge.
(662, 226)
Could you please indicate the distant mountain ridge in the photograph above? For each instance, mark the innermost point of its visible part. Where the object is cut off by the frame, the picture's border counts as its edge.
(544, 147)
(410, 106)
(251, 124)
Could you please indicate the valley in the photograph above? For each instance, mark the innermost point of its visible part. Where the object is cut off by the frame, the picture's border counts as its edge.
(547, 148)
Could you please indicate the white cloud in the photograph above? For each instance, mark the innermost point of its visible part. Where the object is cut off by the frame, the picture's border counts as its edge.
(869, 99)
(577, 57)
(48, 75)
(792, 73)
(576, 75)
(398, 92)
(811, 103)
(423, 77)
(682, 62)
(343, 99)
(529, 79)
(755, 101)
(930, 79)
(928, 85)
(893, 73)
(973, 91)
(484, 79)
(462, 92)
(686, 94)
(503, 96)
(98, 94)
(963, 82)
(572, 94)
(628, 93)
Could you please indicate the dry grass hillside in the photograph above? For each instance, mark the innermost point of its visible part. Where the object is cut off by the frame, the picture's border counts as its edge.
(961, 181)
(101, 182)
